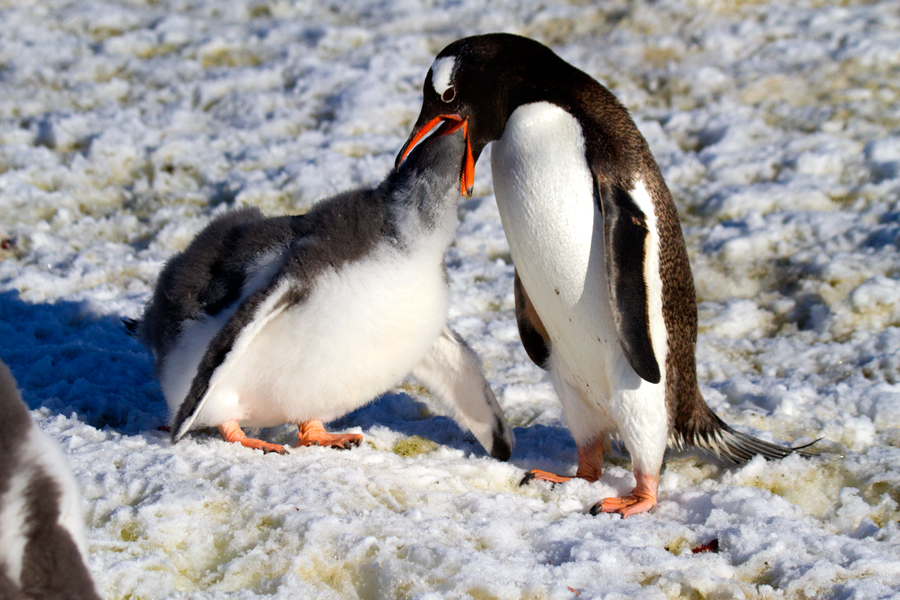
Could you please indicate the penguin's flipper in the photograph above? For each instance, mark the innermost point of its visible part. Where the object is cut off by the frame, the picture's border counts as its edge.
(625, 234)
(230, 341)
(451, 371)
(532, 332)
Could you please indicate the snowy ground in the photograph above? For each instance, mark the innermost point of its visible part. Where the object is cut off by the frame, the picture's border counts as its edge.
(125, 125)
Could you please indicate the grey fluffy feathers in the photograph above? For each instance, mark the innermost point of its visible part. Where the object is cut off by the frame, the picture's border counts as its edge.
(52, 566)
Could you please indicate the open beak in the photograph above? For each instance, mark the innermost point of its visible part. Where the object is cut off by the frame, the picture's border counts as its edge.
(455, 123)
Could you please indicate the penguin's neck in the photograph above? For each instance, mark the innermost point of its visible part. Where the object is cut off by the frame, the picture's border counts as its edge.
(423, 215)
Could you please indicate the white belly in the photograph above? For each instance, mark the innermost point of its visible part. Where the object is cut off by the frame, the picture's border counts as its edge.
(544, 190)
(359, 332)
(545, 195)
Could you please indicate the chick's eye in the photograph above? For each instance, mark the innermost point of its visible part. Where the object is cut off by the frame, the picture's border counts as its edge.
(448, 95)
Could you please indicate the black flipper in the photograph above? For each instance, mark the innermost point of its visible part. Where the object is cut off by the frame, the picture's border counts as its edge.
(251, 310)
(625, 233)
(531, 330)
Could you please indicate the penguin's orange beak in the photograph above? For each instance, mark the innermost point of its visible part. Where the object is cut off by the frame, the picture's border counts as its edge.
(467, 176)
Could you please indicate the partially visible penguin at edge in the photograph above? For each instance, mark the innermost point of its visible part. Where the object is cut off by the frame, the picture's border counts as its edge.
(42, 544)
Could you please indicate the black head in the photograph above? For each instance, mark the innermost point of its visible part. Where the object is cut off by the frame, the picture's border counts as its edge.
(479, 81)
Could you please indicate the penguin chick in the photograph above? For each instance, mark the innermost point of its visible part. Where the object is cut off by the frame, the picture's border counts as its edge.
(302, 319)
(604, 293)
(42, 544)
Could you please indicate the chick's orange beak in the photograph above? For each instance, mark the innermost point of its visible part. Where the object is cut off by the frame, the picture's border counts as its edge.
(455, 123)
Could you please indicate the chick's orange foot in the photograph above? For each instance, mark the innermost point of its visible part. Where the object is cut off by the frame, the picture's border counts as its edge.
(232, 432)
(312, 433)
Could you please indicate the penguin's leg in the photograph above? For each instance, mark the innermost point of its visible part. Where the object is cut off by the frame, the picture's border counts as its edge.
(232, 432)
(639, 409)
(451, 371)
(588, 425)
(312, 433)
(590, 463)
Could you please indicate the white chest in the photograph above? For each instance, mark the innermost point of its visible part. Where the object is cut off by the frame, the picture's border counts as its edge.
(359, 332)
(545, 194)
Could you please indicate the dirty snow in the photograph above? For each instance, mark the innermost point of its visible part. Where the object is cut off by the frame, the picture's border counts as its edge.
(126, 125)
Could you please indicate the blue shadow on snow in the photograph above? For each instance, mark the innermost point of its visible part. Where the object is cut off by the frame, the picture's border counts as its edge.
(69, 360)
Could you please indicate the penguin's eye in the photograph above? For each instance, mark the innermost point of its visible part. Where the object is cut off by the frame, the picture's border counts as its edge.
(448, 95)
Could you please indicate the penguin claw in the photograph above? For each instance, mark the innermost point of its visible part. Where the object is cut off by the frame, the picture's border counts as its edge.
(353, 443)
(349, 442)
(266, 447)
(337, 441)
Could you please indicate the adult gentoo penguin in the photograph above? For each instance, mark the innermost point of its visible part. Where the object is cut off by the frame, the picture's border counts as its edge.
(301, 319)
(42, 544)
(603, 287)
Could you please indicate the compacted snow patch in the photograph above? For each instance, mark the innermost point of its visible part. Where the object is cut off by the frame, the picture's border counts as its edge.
(125, 127)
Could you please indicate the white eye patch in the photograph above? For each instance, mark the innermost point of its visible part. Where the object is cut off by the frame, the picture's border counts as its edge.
(442, 74)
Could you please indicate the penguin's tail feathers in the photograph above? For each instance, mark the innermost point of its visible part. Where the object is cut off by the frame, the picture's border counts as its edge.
(726, 443)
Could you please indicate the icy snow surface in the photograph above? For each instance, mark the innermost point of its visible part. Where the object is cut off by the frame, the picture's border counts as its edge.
(126, 125)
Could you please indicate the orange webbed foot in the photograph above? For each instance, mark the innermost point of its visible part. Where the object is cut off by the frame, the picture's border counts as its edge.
(641, 499)
(590, 461)
(538, 475)
(312, 433)
(231, 432)
(626, 506)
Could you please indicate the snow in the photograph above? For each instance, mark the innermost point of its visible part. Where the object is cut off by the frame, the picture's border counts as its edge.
(126, 125)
